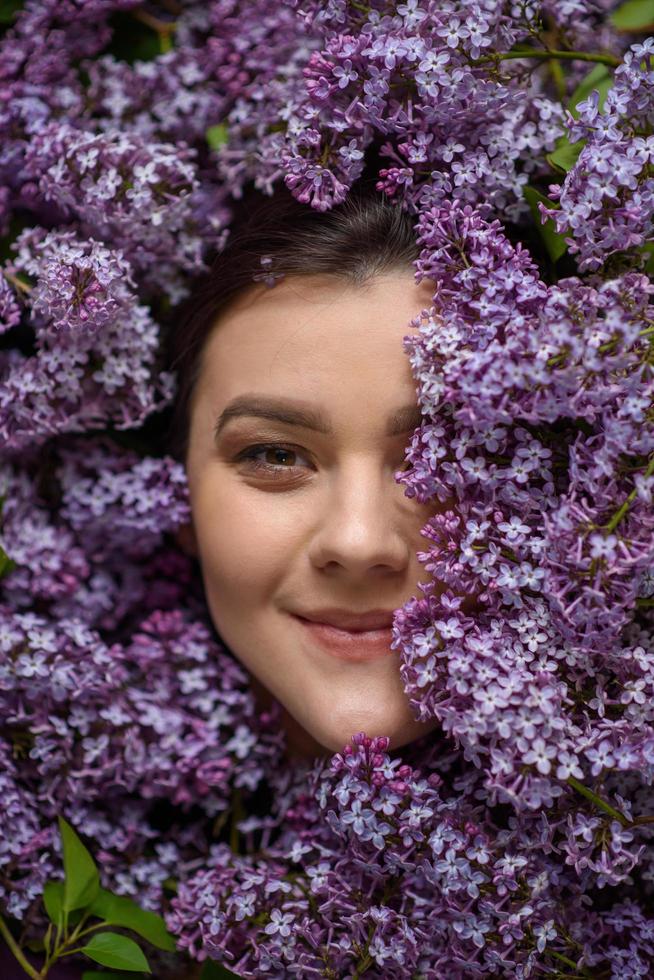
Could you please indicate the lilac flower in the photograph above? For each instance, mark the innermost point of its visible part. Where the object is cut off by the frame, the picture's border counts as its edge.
(472, 852)
(606, 201)
(9, 308)
(279, 923)
(75, 685)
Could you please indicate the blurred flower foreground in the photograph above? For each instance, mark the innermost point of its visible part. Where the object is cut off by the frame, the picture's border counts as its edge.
(518, 842)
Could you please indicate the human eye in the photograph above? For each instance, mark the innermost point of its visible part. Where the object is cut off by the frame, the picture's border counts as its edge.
(276, 465)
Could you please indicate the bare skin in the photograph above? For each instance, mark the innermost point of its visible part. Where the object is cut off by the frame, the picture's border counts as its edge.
(326, 523)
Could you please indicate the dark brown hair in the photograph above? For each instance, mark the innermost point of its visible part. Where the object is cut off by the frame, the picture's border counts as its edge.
(354, 241)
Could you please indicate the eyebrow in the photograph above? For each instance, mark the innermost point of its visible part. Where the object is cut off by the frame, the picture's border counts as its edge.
(291, 412)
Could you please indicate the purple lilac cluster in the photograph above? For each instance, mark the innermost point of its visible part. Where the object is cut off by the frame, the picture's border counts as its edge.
(429, 881)
(518, 841)
(552, 531)
(88, 525)
(606, 202)
(114, 702)
(103, 734)
(95, 352)
(411, 76)
(142, 196)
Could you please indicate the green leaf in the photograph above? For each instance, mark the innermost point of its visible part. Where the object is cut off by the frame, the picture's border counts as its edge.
(117, 910)
(120, 952)
(215, 971)
(634, 15)
(53, 899)
(132, 40)
(101, 975)
(553, 241)
(600, 79)
(216, 136)
(8, 10)
(7, 564)
(82, 881)
(565, 154)
(648, 249)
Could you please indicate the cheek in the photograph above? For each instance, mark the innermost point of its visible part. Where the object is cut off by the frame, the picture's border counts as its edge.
(244, 539)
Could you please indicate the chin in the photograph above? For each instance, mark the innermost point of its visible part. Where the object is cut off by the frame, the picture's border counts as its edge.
(335, 733)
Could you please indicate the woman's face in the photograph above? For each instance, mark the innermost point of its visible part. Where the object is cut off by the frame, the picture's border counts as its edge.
(316, 521)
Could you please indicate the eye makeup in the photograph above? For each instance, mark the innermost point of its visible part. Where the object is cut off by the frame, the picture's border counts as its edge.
(249, 455)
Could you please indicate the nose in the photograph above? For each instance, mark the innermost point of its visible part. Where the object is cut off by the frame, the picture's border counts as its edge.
(367, 524)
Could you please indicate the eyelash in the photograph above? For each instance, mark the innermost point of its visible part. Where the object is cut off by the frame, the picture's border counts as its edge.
(277, 470)
(251, 452)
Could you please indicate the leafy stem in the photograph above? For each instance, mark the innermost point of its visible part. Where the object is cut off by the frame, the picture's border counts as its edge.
(81, 895)
(17, 951)
(640, 821)
(74, 936)
(17, 281)
(562, 959)
(163, 28)
(598, 801)
(624, 507)
(602, 59)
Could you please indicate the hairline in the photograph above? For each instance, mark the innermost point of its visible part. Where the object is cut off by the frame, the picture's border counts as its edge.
(256, 287)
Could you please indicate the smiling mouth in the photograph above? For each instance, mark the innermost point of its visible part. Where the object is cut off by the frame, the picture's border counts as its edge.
(353, 645)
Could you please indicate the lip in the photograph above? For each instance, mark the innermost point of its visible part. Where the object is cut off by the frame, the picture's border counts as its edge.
(342, 619)
(356, 646)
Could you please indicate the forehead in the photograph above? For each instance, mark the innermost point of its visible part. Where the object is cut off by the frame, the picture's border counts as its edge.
(314, 330)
